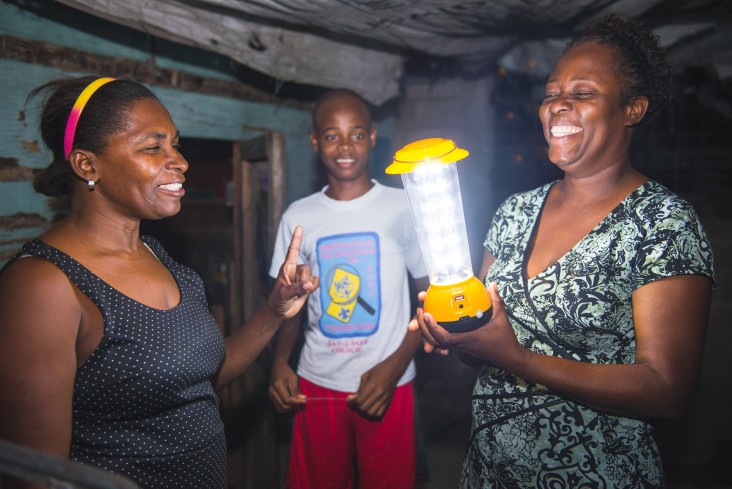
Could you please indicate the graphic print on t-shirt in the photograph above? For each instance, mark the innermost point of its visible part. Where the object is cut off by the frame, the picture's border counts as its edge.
(350, 292)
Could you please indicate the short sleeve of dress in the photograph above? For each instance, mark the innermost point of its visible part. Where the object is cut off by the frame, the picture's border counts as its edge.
(675, 242)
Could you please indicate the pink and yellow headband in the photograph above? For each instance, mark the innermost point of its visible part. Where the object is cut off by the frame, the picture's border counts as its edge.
(79, 105)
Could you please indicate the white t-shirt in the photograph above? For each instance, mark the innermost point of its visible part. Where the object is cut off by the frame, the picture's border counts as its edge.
(362, 250)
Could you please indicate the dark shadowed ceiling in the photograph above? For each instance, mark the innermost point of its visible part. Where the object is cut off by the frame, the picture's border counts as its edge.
(366, 45)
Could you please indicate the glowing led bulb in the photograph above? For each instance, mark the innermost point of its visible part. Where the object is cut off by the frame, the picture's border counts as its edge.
(455, 297)
(437, 206)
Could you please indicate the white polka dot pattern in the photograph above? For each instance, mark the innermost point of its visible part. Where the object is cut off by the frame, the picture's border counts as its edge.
(143, 402)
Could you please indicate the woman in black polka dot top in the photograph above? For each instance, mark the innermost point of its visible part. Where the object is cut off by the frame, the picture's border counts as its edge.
(108, 352)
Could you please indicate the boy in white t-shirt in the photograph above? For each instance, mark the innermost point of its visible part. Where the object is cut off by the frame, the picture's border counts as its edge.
(352, 394)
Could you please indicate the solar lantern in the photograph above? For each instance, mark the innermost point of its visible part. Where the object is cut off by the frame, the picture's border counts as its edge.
(455, 298)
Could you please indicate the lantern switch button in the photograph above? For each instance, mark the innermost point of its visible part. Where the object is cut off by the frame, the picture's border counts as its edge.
(460, 303)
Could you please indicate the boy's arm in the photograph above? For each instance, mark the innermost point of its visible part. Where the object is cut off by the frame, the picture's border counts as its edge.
(378, 384)
(284, 389)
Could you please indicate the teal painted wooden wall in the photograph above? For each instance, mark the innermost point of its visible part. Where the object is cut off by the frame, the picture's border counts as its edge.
(197, 115)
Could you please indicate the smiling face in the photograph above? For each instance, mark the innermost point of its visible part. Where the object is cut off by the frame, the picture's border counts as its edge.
(343, 138)
(140, 173)
(584, 123)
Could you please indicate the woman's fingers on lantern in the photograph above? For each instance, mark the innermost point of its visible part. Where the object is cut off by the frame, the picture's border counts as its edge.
(497, 302)
(422, 323)
(413, 324)
(430, 321)
(440, 337)
(419, 320)
(430, 328)
(431, 348)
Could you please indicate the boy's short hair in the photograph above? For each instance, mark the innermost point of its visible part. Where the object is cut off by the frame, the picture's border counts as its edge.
(335, 93)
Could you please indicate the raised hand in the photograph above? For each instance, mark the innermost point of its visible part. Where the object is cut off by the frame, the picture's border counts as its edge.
(294, 282)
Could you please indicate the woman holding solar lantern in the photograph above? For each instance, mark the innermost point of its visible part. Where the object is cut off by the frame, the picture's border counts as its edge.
(600, 284)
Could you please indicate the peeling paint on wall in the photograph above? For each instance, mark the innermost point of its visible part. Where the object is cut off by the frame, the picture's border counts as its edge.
(30, 146)
(22, 220)
(10, 171)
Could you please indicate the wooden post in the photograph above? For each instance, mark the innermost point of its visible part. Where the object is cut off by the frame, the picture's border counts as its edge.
(253, 451)
(277, 164)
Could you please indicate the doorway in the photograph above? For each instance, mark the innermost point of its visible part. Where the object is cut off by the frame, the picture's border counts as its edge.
(200, 235)
(225, 231)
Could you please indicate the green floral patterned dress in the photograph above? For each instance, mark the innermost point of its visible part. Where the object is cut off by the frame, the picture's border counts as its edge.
(523, 434)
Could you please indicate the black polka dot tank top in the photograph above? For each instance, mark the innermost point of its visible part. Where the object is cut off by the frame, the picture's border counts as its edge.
(143, 403)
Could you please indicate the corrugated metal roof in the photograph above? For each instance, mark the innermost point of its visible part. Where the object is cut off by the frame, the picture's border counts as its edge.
(364, 45)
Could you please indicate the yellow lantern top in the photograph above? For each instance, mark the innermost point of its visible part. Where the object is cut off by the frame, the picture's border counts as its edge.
(425, 151)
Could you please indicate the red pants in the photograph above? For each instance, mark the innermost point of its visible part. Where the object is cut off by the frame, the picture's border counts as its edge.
(333, 444)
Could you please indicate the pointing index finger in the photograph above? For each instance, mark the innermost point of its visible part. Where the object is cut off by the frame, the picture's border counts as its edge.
(293, 251)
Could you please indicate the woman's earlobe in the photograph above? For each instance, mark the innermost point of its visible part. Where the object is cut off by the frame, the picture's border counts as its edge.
(82, 164)
(637, 108)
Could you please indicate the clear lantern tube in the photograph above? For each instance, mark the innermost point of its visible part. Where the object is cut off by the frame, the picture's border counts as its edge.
(456, 299)
(433, 191)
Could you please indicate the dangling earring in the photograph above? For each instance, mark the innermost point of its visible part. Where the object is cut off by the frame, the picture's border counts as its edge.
(90, 184)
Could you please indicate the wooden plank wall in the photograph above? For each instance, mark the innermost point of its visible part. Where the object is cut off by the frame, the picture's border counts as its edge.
(204, 103)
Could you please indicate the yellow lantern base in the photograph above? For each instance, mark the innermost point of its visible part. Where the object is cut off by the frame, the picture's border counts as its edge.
(460, 307)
